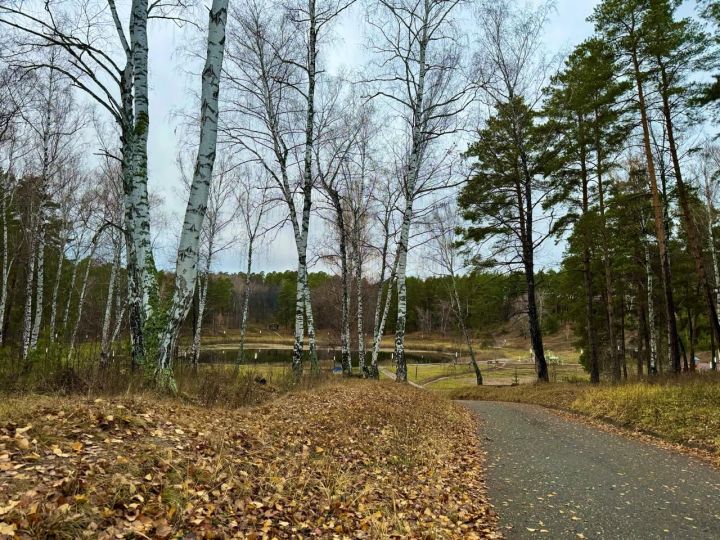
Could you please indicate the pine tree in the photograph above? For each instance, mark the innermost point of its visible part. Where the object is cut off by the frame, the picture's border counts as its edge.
(501, 198)
(584, 117)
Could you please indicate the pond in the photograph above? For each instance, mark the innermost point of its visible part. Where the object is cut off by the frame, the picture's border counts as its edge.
(271, 356)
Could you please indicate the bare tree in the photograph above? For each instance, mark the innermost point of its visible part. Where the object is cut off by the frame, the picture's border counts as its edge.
(188, 254)
(254, 201)
(220, 215)
(419, 72)
(273, 74)
(444, 254)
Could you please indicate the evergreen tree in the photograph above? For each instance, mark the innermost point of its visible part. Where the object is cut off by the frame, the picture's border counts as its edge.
(501, 200)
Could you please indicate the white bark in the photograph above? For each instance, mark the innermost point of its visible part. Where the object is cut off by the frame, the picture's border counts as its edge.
(364, 372)
(197, 334)
(109, 301)
(189, 249)
(137, 195)
(380, 322)
(7, 259)
(246, 299)
(81, 301)
(400, 364)
(651, 309)
(39, 288)
(71, 289)
(56, 288)
(27, 310)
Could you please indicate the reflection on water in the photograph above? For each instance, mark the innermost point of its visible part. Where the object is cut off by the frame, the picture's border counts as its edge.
(271, 356)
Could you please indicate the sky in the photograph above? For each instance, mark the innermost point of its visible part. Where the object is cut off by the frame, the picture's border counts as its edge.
(172, 88)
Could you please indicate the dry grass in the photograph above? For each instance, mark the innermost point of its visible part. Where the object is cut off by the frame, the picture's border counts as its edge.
(350, 459)
(683, 410)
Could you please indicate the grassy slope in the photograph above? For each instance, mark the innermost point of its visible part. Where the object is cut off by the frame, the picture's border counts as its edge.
(348, 458)
(684, 410)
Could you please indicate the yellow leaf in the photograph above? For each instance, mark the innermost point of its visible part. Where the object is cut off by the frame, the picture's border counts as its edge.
(22, 443)
(8, 529)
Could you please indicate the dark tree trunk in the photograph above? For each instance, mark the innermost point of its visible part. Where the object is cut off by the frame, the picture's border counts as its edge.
(534, 324)
(673, 338)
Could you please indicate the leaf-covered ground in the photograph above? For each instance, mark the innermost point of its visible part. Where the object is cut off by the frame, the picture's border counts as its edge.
(347, 460)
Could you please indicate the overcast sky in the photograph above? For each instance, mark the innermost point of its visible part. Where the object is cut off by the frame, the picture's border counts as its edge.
(169, 94)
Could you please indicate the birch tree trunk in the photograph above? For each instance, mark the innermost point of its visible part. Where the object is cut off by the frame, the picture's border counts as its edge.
(400, 363)
(246, 301)
(364, 370)
(413, 169)
(136, 193)
(56, 289)
(195, 350)
(107, 317)
(303, 294)
(6, 261)
(651, 311)
(71, 288)
(189, 248)
(39, 286)
(81, 302)
(27, 310)
(380, 320)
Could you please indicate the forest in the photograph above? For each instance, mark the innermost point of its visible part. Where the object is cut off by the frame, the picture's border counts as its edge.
(438, 176)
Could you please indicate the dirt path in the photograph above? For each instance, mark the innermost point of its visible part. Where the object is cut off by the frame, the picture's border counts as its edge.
(549, 477)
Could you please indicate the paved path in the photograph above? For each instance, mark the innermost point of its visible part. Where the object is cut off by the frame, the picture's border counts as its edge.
(549, 477)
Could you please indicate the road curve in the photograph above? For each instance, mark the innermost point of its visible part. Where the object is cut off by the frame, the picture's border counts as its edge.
(550, 477)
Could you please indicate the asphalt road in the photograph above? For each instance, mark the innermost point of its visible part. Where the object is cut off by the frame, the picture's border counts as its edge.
(549, 477)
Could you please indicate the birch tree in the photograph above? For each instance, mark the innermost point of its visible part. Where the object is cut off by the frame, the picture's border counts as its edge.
(419, 63)
(273, 75)
(444, 254)
(254, 204)
(219, 217)
(111, 68)
(386, 198)
(188, 255)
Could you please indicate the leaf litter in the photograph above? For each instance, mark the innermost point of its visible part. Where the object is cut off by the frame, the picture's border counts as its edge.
(354, 459)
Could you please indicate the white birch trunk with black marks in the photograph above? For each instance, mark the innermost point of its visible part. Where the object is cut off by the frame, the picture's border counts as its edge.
(29, 285)
(56, 289)
(381, 320)
(303, 302)
(109, 301)
(400, 363)
(81, 302)
(651, 309)
(39, 286)
(197, 334)
(136, 193)
(6, 263)
(246, 301)
(186, 269)
(71, 289)
(364, 371)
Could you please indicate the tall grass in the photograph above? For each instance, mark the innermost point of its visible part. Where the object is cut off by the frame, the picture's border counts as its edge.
(53, 370)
